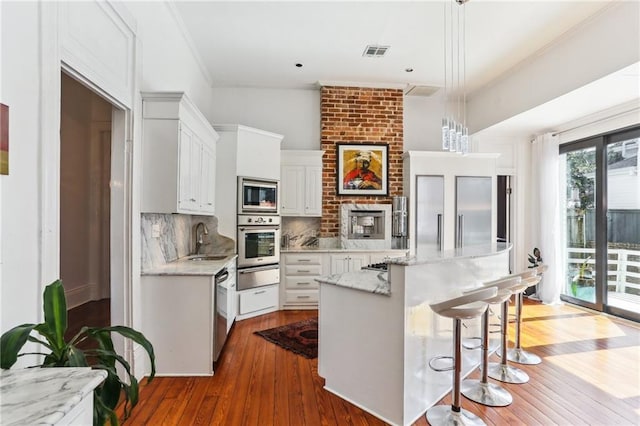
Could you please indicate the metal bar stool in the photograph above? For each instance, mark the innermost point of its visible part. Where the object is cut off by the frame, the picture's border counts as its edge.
(502, 371)
(471, 305)
(517, 354)
(481, 391)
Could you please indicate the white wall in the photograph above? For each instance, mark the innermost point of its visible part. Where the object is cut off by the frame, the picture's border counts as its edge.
(293, 113)
(165, 62)
(20, 227)
(606, 43)
(422, 122)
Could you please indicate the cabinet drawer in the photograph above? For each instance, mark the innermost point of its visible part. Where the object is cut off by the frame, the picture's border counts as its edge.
(300, 283)
(302, 270)
(301, 296)
(258, 299)
(302, 259)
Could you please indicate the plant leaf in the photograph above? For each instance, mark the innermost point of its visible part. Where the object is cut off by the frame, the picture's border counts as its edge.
(11, 342)
(134, 335)
(55, 311)
(75, 357)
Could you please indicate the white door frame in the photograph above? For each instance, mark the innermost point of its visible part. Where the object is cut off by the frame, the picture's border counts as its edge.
(121, 176)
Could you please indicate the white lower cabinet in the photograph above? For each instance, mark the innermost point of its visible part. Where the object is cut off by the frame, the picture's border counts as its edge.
(348, 262)
(299, 287)
(257, 301)
(178, 319)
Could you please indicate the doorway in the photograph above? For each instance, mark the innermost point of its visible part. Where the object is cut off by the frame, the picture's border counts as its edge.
(85, 204)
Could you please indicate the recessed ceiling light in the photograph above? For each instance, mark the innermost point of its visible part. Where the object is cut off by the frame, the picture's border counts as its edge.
(299, 65)
(408, 69)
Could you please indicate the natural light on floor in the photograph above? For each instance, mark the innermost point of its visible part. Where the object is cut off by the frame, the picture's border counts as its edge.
(585, 366)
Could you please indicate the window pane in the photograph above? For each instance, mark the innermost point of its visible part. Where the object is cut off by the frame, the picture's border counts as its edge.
(623, 226)
(580, 238)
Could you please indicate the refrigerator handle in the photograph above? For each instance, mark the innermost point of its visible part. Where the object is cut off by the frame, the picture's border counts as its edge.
(439, 231)
(460, 230)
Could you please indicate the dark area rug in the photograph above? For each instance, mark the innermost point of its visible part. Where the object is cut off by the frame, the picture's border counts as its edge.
(299, 337)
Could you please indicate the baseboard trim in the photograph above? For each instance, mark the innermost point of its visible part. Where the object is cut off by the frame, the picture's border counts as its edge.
(81, 295)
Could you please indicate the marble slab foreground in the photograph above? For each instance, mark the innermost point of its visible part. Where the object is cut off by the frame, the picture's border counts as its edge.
(44, 395)
(365, 280)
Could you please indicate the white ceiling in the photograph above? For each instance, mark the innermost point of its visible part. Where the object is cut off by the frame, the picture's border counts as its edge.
(257, 44)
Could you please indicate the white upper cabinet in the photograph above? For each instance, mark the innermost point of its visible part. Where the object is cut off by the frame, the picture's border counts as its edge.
(301, 183)
(178, 156)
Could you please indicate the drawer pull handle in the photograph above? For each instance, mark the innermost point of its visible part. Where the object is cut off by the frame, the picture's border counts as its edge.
(304, 283)
(304, 270)
(260, 292)
(304, 260)
(303, 297)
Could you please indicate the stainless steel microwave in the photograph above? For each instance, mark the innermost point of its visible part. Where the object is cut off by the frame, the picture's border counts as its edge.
(258, 196)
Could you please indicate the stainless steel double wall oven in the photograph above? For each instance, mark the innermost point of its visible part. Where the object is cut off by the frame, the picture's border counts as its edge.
(258, 232)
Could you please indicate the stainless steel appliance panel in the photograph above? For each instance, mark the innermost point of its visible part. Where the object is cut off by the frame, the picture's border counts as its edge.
(429, 219)
(258, 245)
(473, 210)
(258, 276)
(220, 319)
(258, 196)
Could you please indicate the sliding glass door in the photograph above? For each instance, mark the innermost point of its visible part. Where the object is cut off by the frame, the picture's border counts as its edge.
(601, 219)
(623, 225)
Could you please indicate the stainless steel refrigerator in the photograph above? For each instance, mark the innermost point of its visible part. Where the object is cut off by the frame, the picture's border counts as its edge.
(442, 224)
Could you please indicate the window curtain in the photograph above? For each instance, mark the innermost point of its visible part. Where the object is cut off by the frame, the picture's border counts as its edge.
(546, 209)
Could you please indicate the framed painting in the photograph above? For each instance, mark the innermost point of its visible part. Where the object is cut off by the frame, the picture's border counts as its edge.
(362, 169)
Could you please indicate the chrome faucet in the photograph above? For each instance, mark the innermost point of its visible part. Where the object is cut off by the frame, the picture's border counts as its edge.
(199, 240)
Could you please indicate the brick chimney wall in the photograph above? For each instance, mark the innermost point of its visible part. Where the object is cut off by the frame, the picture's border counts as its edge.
(358, 115)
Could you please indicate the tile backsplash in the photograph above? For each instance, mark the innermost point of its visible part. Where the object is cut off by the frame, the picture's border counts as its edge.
(175, 238)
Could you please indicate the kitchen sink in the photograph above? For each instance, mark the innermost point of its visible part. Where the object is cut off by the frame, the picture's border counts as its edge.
(208, 257)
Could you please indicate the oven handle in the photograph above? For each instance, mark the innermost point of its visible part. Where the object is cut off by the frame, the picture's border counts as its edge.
(259, 228)
(258, 269)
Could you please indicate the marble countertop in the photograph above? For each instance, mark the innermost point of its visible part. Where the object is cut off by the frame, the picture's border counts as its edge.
(340, 250)
(184, 266)
(365, 280)
(44, 395)
(377, 282)
(437, 256)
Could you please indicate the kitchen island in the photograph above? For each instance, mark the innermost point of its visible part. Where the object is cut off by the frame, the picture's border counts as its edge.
(377, 332)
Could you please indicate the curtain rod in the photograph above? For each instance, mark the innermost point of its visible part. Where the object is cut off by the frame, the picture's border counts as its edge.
(609, 117)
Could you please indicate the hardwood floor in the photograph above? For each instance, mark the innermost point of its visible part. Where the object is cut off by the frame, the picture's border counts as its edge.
(590, 374)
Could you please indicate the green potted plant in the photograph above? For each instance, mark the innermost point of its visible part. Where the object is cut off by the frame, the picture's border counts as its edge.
(584, 277)
(50, 334)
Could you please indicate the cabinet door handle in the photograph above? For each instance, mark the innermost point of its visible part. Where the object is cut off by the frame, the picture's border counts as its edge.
(260, 292)
(192, 199)
(304, 283)
(304, 260)
(304, 271)
(209, 204)
(303, 297)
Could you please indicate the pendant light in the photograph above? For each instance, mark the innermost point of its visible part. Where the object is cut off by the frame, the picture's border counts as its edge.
(455, 134)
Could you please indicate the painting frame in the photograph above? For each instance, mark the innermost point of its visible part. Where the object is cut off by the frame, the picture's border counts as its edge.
(362, 169)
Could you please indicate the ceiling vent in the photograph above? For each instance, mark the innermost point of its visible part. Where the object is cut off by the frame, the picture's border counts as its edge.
(374, 51)
(421, 90)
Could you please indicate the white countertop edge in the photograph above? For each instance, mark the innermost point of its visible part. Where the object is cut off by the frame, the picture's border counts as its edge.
(369, 281)
(184, 266)
(341, 250)
(11, 380)
(448, 255)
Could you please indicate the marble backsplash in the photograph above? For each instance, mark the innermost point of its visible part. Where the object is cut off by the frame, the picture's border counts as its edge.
(348, 243)
(176, 238)
(301, 232)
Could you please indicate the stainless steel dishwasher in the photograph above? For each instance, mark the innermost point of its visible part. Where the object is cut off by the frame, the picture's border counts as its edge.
(220, 319)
